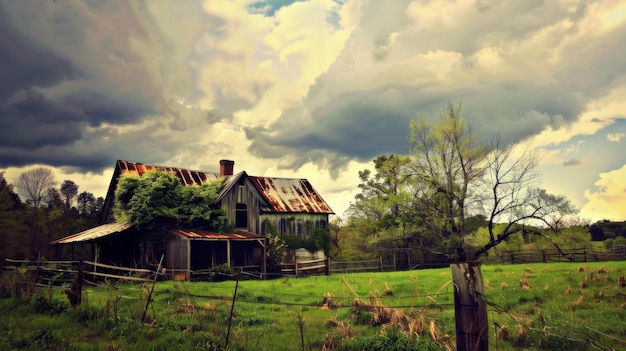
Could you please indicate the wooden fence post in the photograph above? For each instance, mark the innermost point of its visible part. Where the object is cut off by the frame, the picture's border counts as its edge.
(328, 263)
(232, 306)
(75, 292)
(149, 299)
(380, 262)
(470, 307)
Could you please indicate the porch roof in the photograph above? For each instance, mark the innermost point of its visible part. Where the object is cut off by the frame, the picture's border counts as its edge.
(208, 235)
(94, 233)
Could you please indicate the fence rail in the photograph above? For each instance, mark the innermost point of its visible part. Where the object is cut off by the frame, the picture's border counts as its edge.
(553, 255)
(306, 268)
(371, 265)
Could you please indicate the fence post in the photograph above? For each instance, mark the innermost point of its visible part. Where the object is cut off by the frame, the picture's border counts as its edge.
(295, 268)
(75, 292)
(380, 263)
(328, 270)
(512, 257)
(543, 255)
(232, 306)
(470, 307)
(149, 299)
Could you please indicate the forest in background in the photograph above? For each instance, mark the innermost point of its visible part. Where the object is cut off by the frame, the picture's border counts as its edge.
(49, 212)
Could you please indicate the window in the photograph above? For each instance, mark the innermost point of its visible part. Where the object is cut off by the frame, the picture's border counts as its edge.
(241, 214)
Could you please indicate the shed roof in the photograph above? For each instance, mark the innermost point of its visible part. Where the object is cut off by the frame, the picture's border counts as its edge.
(94, 233)
(208, 235)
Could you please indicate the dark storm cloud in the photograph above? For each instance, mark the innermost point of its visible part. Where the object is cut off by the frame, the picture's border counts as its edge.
(57, 87)
(24, 66)
(27, 118)
(356, 125)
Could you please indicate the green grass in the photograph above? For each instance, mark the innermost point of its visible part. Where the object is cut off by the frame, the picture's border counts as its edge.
(558, 306)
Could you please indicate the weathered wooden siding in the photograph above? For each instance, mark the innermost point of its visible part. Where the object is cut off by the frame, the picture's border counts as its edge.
(299, 224)
(244, 193)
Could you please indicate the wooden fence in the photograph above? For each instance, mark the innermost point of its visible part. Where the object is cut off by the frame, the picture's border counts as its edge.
(307, 268)
(63, 273)
(371, 265)
(553, 255)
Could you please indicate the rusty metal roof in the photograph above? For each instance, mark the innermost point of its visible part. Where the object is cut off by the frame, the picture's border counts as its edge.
(290, 195)
(186, 176)
(200, 234)
(94, 233)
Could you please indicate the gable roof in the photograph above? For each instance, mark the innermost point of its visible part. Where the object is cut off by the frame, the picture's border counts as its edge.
(284, 195)
(290, 195)
(186, 176)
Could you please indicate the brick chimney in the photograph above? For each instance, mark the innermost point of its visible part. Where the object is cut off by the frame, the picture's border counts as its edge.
(226, 168)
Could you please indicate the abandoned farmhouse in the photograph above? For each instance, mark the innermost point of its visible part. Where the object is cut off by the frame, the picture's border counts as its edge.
(252, 204)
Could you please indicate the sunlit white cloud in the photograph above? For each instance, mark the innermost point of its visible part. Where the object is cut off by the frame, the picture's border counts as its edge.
(608, 199)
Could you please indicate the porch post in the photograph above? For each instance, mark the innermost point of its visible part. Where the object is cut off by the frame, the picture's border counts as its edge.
(228, 252)
(188, 272)
(264, 264)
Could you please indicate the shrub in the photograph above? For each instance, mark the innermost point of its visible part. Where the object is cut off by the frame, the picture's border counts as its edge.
(221, 273)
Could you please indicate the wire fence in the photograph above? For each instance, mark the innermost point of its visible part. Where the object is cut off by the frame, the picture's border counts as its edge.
(122, 294)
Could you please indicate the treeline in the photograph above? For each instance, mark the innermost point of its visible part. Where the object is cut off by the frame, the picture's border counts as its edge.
(48, 212)
(605, 229)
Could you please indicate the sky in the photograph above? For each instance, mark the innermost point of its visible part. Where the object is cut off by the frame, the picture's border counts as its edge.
(312, 89)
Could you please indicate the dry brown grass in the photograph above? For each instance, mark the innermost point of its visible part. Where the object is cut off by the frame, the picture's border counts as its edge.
(523, 283)
(412, 323)
(575, 304)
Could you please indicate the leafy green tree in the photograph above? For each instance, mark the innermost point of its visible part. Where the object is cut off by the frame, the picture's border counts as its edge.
(383, 210)
(85, 202)
(13, 229)
(69, 190)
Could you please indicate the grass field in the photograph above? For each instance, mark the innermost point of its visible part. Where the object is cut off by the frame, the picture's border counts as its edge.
(560, 306)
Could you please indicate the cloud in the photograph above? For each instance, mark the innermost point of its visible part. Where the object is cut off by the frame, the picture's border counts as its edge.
(419, 62)
(298, 85)
(615, 137)
(571, 162)
(608, 199)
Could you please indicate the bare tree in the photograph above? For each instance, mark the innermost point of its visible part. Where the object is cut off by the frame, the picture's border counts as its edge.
(35, 183)
(516, 201)
(447, 160)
